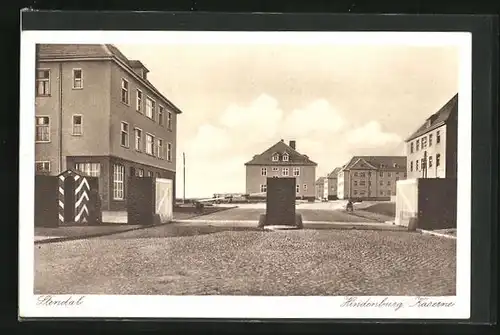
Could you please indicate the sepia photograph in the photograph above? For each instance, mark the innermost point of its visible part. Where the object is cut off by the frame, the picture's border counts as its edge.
(231, 164)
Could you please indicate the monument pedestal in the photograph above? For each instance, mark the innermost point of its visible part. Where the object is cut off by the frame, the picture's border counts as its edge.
(280, 204)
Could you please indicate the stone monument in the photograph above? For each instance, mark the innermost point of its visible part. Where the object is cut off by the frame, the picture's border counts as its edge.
(280, 204)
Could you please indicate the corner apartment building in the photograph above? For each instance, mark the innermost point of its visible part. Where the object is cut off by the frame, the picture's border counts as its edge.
(320, 188)
(281, 160)
(371, 177)
(330, 185)
(97, 112)
(432, 149)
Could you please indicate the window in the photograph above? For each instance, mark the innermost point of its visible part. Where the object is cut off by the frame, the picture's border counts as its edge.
(355, 174)
(43, 82)
(77, 79)
(381, 174)
(381, 183)
(169, 120)
(159, 148)
(362, 183)
(140, 172)
(404, 174)
(362, 193)
(132, 171)
(362, 174)
(297, 188)
(138, 101)
(275, 158)
(417, 145)
(138, 139)
(158, 175)
(150, 144)
(150, 173)
(355, 192)
(411, 147)
(77, 125)
(411, 166)
(416, 165)
(422, 163)
(430, 161)
(296, 172)
(285, 157)
(389, 174)
(263, 188)
(275, 169)
(388, 183)
(263, 171)
(430, 140)
(124, 135)
(355, 183)
(424, 142)
(285, 172)
(169, 152)
(90, 169)
(118, 177)
(42, 126)
(160, 115)
(150, 108)
(125, 93)
(438, 137)
(42, 166)
(438, 159)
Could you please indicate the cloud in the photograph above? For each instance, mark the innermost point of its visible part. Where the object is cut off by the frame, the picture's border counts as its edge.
(216, 154)
(318, 116)
(209, 140)
(261, 116)
(371, 135)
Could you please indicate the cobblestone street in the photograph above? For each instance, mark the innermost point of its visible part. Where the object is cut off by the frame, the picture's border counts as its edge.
(301, 262)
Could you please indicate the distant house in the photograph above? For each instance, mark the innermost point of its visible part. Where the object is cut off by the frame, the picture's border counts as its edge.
(432, 149)
(320, 186)
(330, 185)
(281, 160)
(371, 177)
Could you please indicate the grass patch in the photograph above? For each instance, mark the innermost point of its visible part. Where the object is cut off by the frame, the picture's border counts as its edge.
(387, 208)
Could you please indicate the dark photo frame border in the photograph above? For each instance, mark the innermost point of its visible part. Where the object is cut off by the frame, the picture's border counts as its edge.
(484, 30)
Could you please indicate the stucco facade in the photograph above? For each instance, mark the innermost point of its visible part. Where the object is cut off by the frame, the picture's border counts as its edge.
(432, 150)
(371, 177)
(281, 160)
(305, 181)
(89, 124)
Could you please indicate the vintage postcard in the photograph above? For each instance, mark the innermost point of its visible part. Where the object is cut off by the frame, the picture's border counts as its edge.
(245, 174)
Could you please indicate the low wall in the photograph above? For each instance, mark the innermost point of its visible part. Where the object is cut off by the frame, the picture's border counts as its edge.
(46, 201)
(432, 201)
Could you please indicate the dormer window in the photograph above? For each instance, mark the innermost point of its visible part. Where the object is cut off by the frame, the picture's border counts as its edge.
(382, 166)
(285, 157)
(395, 165)
(276, 158)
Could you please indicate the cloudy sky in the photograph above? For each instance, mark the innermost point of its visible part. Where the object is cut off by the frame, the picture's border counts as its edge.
(334, 100)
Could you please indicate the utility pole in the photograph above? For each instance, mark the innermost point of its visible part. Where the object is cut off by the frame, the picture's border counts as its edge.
(184, 177)
(424, 166)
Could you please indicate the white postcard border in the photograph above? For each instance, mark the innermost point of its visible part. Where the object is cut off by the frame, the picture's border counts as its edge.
(239, 306)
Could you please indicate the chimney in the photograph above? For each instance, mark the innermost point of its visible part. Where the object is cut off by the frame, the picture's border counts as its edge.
(292, 144)
(282, 140)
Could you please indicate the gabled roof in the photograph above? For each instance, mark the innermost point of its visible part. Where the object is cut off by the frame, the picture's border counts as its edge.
(437, 119)
(378, 162)
(320, 181)
(97, 51)
(334, 173)
(294, 158)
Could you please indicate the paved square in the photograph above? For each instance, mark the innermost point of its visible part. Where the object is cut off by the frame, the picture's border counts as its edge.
(161, 261)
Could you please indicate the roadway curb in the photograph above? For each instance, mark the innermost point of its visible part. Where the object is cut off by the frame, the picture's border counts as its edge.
(83, 237)
(430, 232)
